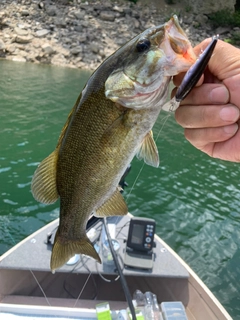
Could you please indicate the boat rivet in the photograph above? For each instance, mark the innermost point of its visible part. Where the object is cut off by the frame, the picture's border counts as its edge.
(163, 250)
(33, 240)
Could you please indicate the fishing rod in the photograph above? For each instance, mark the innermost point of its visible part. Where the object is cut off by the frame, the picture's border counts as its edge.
(122, 278)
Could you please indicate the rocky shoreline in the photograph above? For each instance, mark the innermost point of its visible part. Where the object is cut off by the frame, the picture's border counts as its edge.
(81, 34)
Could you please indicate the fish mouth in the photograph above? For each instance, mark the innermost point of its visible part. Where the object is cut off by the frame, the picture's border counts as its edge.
(175, 22)
(175, 54)
(177, 46)
(142, 82)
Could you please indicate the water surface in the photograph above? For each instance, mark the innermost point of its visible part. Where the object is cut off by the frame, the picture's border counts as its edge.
(193, 198)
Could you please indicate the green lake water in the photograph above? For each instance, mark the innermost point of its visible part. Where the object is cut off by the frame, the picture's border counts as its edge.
(193, 198)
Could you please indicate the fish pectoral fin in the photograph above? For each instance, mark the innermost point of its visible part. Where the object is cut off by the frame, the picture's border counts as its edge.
(44, 186)
(114, 206)
(62, 250)
(148, 151)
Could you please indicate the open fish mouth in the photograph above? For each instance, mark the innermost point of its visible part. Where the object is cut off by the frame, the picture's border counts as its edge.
(177, 47)
(159, 53)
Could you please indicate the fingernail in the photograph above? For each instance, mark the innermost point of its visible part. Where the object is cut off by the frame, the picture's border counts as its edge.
(229, 113)
(232, 129)
(219, 95)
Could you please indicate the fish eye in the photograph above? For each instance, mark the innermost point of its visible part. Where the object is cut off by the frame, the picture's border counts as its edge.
(143, 45)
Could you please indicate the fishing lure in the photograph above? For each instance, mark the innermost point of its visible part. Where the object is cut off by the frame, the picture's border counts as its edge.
(191, 77)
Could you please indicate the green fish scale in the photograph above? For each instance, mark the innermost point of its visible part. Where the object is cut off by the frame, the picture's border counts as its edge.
(90, 160)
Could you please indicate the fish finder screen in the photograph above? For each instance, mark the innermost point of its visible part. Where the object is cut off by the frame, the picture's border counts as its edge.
(137, 234)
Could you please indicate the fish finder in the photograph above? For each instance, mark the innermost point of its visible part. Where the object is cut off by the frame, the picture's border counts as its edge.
(141, 234)
(140, 243)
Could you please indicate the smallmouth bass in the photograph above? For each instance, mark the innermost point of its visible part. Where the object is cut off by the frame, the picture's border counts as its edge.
(110, 123)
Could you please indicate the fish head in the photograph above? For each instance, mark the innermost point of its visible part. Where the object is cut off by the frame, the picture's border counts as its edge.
(146, 64)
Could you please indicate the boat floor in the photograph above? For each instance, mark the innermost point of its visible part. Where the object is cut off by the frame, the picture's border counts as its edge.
(34, 254)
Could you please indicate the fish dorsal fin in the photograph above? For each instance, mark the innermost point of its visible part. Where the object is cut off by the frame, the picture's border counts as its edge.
(114, 206)
(64, 129)
(44, 186)
(148, 151)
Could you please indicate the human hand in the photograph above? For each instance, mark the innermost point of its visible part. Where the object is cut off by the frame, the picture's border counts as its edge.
(210, 113)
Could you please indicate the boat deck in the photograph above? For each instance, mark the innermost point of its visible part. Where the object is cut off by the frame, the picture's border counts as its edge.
(26, 279)
(27, 255)
(30, 261)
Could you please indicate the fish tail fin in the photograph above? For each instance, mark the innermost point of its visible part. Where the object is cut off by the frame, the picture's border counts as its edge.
(62, 250)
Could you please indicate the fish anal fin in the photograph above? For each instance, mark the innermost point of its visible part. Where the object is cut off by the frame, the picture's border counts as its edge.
(63, 250)
(114, 206)
(148, 151)
(44, 186)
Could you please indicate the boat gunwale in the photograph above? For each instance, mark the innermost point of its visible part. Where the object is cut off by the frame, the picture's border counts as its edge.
(47, 310)
(195, 279)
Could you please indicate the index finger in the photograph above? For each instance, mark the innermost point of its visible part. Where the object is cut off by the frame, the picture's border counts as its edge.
(211, 93)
